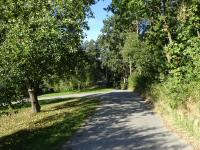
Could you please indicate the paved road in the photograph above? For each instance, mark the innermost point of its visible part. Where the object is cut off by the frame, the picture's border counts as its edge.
(124, 122)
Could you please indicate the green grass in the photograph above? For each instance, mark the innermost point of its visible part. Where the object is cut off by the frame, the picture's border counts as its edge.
(93, 90)
(49, 129)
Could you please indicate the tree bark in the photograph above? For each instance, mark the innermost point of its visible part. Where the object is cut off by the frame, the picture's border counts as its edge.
(79, 85)
(34, 100)
(130, 68)
(169, 35)
(167, 30)
(137, 26)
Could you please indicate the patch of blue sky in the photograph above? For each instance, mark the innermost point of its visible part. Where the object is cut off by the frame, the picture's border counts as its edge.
(96, 23)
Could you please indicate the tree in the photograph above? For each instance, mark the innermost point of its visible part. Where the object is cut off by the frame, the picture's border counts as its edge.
(92, 51)
(131, 50)
(111, 42)
(39, 37)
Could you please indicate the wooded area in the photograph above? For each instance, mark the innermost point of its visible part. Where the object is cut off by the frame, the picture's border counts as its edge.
(149, 46)
(144, 45)
(153, 46)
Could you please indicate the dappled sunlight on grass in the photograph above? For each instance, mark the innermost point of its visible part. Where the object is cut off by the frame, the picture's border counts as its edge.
(76, 92)
(58, 120)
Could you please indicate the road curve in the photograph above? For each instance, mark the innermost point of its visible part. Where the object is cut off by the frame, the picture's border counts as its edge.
(124, 122)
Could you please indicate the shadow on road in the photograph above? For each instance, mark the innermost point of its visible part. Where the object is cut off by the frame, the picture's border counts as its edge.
(123, 122)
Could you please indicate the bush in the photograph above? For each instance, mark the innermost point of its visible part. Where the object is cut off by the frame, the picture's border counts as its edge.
(69, 84)
(138, 82)
(9, 93)
(176, 92)
(193, 90)
(133, 81)
(124, 85)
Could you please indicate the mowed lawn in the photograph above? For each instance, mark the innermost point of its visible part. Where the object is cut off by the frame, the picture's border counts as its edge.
(49, 129)
(92, 90)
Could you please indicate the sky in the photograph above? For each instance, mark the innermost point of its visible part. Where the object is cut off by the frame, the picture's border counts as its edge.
(96, 24)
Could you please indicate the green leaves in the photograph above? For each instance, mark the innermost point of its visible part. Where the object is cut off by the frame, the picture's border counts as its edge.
(38, 36)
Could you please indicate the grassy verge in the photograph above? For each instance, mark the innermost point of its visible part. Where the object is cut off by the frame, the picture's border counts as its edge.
(181, 121)
(180, 109)
(76, 92)
(57, 122)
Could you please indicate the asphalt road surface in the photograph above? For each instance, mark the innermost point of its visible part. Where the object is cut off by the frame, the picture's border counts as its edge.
(124, 122)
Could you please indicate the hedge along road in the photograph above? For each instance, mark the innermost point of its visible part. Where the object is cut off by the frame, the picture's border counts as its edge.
(124, 122)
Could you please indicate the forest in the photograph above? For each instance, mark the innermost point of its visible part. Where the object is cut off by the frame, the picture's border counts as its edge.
(151, 47)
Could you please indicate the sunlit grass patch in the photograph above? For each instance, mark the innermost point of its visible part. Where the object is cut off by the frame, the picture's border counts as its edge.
(58, 121)
(77, 92)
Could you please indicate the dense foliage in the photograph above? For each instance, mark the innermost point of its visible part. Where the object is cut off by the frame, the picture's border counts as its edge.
(156, 44)
(37, 38)
(86, 72)
(144, 45)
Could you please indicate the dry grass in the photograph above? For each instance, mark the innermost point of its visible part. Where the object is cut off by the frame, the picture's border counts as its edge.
(183, 121)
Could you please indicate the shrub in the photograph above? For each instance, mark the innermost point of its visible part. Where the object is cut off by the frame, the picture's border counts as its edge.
(138, 82)
(124, 85)
(176, 92)
(9, 93)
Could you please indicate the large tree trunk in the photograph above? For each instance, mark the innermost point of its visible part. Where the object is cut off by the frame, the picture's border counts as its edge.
(34, 100)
